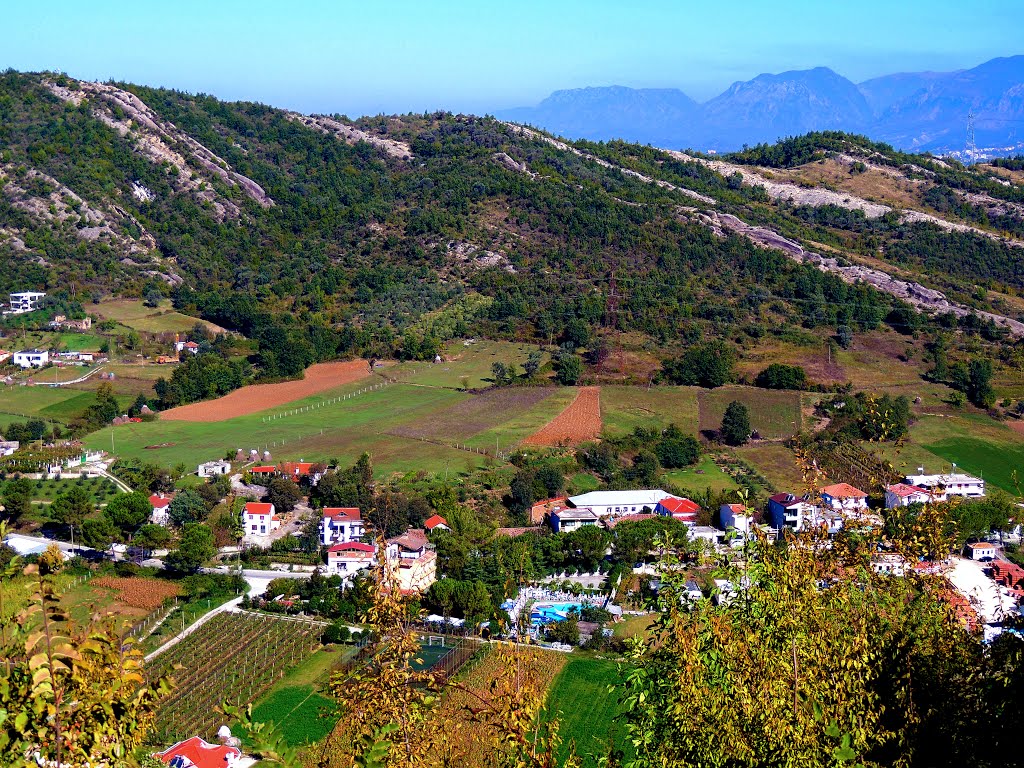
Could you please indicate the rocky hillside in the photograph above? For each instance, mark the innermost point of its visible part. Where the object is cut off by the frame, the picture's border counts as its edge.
(402, 228)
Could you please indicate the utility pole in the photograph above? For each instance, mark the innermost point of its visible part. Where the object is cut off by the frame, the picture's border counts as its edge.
(971, 150)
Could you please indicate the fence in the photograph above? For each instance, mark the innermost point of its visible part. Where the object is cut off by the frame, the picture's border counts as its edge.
(325, 403)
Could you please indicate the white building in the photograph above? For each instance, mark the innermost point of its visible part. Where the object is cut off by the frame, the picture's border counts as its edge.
(843, 497)
(31, 358)
(214, 468)
(413, 559)
(341, 525)
(902, 495)
(159, 502)
(982, 549)
(7, 447)
(953, 484)
(191, 346)
(25, 301)
(348, 558)
(259, 519)
(568, 520)
(735, 516)
(605, 503)
(889, 564)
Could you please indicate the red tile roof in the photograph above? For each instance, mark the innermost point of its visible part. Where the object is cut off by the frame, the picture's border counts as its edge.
(258, 508)
(433, 521)
(844, 491)
(159, 502)
(350, 513)
(202, 754)
(265, 469)
(677, 506)
(737, 509)
(354, 546)
(903, 490)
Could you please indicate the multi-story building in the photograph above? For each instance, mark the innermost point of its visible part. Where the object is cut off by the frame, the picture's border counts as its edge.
(341, 525)
(953, 484)
(412, 558)
(25, 301)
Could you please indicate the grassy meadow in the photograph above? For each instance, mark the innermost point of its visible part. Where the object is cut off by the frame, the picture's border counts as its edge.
(583, 701)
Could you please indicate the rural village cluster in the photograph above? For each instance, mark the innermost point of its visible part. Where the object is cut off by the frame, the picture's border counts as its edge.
(983, 585)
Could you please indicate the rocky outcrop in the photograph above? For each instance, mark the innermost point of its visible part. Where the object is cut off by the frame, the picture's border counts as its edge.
(561, 145)
(925, 299)
(352, 135)
(471, 255)
(164, 143)
(512, 164)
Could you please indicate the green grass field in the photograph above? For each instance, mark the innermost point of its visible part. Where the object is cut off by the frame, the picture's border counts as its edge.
(132, 313)
(472, 360)
(585, 708)
(625, 408)
(523, 424)
(296, 699)
(704, 474)
(340, 430)
(776, 462)
(773, 413)
(33, 401)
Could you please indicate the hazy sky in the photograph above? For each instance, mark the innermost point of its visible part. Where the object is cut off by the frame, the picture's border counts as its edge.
(398, 56)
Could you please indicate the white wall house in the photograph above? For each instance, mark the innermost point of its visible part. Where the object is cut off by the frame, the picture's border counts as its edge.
(259, 519)
(843, 497)
(902, 495)
(31, 358)
(348, 558)
(214, 468)
(605, 503)
(159, 502)
(567, 520)
(341, 525)
(735, 516)
(889, 564)
(25, 301)
(981, 549)
(955, 484)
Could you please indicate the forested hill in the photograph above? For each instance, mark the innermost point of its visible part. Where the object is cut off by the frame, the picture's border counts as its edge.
(391, 234)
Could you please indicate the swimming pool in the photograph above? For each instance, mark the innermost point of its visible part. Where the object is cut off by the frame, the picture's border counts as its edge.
(545, 613)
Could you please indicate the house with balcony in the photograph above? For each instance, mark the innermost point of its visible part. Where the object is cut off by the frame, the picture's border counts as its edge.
(25, 301)
(952, 484)
(260, 519)
(903, 495)
(341, 525)
(787, 510)
(346, 559)
(31, 358)
(413, 560)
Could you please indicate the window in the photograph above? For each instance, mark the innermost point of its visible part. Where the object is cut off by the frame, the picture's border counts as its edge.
(263, 529)
(254, 529)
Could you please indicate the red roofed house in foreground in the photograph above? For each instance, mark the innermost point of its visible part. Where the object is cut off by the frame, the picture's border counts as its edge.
(197, 753)
(259, 519)
(436, 523)
(683, 510)
(160, 502)
(902, 495)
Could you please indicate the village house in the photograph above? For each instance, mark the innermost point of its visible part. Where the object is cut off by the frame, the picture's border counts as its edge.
(889, 564)
(198, 753)
(953, 484)
(567, 520)
(25, 301)
(160, 502)
(7, 447)
(61, 321)
(683, 510)
(902, 495)
(982, 550)
(259, 518)
(413, 559)
(737, 517)
(786, 510)
(843, 497)
(214, 468)
(542, 509)
(187, 346)
(436, 523)
(605, 503)
(341, 525)
(347, 558)
(263, 473)
(31, 358)
(705, 533)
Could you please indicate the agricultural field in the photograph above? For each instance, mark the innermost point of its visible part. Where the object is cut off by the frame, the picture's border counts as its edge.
(132, 313)
(312, 429)
(704, 474)
(579, 422)
(474, 414)
(232, 657)
(297, 699)
(773, 413)
(101, 489)
(518, 426)
(775, 461)
(582, 701)
(472, 360)
(625, 408)
(33, 402)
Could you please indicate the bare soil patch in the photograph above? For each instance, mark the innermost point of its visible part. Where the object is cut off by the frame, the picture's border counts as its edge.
(139, 592)
(259, 397)
(579, 422)
(469, 417)
(1016, 425)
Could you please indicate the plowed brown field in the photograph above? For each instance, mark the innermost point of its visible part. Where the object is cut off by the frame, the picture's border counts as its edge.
(579, 422)
(259, 397)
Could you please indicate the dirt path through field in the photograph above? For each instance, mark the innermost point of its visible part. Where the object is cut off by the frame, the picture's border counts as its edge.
(259, 397)
(579, 422)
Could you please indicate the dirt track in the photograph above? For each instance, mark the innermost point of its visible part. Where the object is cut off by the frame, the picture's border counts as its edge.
(259, 397)
(579, 422)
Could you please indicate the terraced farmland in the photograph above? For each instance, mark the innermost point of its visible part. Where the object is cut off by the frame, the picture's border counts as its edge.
(234, 657)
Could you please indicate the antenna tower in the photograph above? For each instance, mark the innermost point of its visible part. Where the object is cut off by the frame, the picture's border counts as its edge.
(971, 150)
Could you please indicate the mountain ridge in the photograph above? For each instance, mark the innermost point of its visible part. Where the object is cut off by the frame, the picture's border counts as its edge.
(922, 111)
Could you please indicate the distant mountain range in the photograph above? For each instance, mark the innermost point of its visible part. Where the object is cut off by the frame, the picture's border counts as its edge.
(918, 111)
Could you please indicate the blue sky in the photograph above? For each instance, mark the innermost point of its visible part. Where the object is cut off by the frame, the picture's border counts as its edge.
(397, 56)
